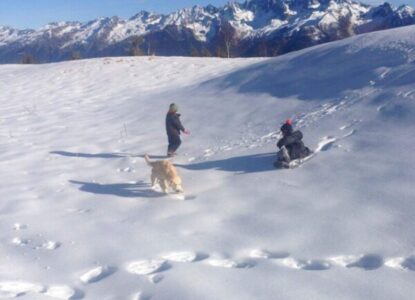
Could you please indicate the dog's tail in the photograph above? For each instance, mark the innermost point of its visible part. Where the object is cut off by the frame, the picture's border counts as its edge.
(147, 159)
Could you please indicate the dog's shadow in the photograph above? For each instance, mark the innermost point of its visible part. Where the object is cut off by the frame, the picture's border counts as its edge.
(128, 190)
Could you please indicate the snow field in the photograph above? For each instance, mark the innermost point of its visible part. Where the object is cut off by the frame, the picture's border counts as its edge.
(80, 220)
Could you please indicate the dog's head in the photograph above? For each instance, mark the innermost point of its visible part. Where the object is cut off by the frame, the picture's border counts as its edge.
(176, 184)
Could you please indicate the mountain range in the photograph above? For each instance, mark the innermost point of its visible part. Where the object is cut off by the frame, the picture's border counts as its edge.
(251, 28)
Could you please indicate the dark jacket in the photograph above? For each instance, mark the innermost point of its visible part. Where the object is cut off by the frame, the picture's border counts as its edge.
(173, 124)
(294, 144)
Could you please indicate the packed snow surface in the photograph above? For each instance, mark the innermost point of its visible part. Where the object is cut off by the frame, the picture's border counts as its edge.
(80, 220)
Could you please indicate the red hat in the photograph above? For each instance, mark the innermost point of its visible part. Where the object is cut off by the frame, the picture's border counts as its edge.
(289, 122)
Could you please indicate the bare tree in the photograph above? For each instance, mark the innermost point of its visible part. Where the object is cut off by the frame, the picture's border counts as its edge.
(75, 55)
(206, 52)
(135, 46)
(345, 28)
(194, 52)
(150, 48)
(28, 59)
(227, 38)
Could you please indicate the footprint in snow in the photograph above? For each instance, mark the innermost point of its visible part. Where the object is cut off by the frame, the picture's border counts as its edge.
(344, 260)
(401, 263)
(368, 262)
(309, 265)
(185, 256)
(409, 263)
(140, 296)
(315, 265)
(63, 292)
(147, 267)
(97, 274)
(395, 263)
(265, 254)
(14, 289)
(155, 278)
(230, 264)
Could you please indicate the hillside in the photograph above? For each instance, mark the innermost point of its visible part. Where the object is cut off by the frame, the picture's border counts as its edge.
(80, 221)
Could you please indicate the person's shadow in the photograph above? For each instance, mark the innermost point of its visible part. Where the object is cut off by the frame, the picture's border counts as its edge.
(240, 164)
(89, 155)
(129, 190)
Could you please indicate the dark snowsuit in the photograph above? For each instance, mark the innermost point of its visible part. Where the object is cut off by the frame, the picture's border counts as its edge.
(294, 145)
(173, 128)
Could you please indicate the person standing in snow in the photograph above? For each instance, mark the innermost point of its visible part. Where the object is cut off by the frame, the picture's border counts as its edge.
(174, 127)
(291, 146)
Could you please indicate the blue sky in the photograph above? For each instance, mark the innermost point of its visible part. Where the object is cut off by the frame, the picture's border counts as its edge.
(36, 13)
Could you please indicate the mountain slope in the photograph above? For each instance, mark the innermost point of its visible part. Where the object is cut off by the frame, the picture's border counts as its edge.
(80, 220)
(252, 28)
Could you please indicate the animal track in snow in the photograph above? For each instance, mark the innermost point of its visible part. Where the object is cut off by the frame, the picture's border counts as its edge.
(19, 226)
(20, 242)
(126, 170)
(49, 245)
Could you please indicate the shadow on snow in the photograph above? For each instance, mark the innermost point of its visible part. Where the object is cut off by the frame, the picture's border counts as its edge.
(129, 190)
(315, 75)
(104, 155)
(240, 164)
(89, 155)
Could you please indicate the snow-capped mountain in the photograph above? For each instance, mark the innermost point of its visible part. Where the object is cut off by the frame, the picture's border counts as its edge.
(252, 28)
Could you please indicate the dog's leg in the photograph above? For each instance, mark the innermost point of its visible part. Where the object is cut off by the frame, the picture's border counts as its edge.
(163, 186)
(153, 179)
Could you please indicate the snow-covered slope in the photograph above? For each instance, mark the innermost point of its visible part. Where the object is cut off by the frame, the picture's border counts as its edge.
(251, 28)
(80, 221)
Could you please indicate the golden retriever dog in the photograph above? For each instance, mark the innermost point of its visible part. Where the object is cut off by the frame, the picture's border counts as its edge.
(165, 174)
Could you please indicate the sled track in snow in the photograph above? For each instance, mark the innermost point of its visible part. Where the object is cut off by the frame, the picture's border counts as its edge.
(302, 120)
